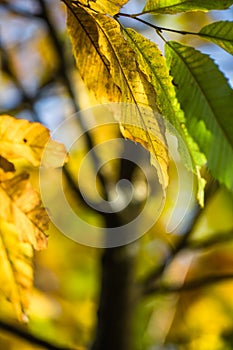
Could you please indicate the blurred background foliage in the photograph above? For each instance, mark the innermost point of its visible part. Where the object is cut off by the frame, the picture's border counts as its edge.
(39, 82)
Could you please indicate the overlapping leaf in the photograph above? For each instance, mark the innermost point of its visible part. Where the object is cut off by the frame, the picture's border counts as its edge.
(207, 100)
(152, 63)
(20, 138)
(22, 227)
(23, 221)
(110, 7)
(176, 6)
(220, 33)
(139, 117)
(111, 70)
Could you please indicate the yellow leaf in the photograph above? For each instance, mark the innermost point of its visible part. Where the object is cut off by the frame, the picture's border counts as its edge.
(21, 206)
(16, 273)
(151, 136)
(110, 7)
(139, 119)
(92, 65)
(109, 68)
(23, 139)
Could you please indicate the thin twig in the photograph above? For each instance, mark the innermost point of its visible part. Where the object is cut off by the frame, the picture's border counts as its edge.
(157, 28)
(216, 238)
(189, 286)
(32, 339)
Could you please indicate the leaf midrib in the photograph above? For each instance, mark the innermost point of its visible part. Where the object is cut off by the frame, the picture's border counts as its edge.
(207, 99)
(20, 209)
(86, 32)
(128, 85)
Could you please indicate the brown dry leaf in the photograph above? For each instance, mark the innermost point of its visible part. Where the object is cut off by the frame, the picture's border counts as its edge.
(6, 166)
(20, 138)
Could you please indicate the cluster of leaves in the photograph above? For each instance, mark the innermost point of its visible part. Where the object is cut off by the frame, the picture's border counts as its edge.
(23, 221)
(186, 86)
(120, 65)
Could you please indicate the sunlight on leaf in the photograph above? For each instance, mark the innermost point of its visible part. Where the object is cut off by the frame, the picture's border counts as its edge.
(110, 7)
(21, 206)
(152, 63)
(21, 139)
(16, 273)
(101, 51)
(207, 100)
(150, 136)
(23, 221)
(220, 33)
(89, 60)
(175, 6)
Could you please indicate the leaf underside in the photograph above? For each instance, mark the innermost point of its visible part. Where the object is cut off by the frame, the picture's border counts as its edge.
(152, 63)
(220, 33)
(207, 100)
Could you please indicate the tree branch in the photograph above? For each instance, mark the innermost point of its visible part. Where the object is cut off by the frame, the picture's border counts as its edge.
(187, 286)
(216, 238)
(32, 339)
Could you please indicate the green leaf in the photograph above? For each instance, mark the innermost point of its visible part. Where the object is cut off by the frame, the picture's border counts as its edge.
(176, 6)
(152, 63)
(207, 101)
(220, 33)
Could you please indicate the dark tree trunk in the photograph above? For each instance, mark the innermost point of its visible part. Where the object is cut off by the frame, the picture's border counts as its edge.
(116, 305)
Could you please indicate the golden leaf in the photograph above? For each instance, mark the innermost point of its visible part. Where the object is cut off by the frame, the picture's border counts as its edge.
(21, 206)
(16, 273)
(92, 65)
(23, 139)
(109, 68)
(110, 7)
